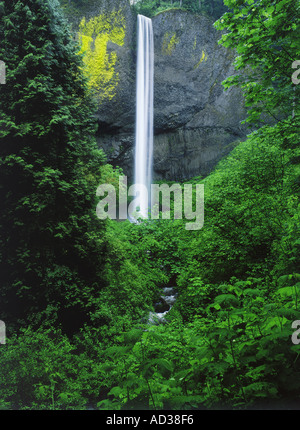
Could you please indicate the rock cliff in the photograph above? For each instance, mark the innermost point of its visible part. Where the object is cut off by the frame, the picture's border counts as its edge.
(196, 122)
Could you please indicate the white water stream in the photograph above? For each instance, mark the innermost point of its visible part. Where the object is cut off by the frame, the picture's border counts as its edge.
(168, 298)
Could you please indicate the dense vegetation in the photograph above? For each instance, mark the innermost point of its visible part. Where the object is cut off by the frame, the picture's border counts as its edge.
(76, 291)
(214, 8)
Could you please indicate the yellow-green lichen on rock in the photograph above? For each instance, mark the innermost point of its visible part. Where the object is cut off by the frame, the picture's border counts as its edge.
(170, 40)
(203, 58)
(195, 43)
(99, 65)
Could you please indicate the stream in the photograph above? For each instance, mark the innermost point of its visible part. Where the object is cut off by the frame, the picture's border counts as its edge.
(163, 306)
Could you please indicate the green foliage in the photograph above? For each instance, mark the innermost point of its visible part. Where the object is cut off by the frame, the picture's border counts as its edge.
(249, 208)
(214, 8)
(227, 341)
(50, 236)
(45, 376)
(265, 34)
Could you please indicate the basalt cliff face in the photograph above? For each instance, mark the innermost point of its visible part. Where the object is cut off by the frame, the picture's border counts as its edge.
(196, 122)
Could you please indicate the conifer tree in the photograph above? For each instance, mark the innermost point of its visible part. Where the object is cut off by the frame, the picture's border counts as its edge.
(50, 241)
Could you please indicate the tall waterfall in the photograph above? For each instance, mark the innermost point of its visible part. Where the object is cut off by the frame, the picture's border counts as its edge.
(144, 113)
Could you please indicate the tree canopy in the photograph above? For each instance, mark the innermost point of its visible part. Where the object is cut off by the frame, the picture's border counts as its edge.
(48, 159)
(265, 35)
(213, 8)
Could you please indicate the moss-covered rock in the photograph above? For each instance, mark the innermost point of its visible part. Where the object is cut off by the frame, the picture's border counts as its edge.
(94, 36)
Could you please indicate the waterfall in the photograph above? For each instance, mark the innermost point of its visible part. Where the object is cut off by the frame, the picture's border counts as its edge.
(144, 114)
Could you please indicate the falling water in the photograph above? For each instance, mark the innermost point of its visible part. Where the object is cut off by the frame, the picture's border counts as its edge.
(144, 113)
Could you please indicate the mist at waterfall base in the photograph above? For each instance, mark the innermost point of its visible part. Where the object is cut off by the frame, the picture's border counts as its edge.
(144, 114)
